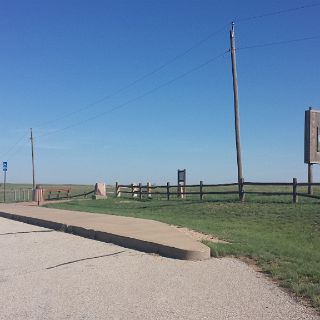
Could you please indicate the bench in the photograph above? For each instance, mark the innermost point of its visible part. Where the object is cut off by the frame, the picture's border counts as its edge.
(57, 192)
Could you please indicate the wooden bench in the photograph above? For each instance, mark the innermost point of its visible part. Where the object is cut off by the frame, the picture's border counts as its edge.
(57, 191)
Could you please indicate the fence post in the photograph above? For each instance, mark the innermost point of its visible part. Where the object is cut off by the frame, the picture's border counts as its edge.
(168, 190)
(241, 190)
(140, 191)
(201, 190)
(117, 190)
(132, 190)
(149, 190)
(294, 190)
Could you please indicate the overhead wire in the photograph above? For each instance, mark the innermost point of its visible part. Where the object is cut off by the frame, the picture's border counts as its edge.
(279, 12)
(12, 147)
(147, 93)
(16, 152)
(276, 43)
(139, 79)
(175, 58)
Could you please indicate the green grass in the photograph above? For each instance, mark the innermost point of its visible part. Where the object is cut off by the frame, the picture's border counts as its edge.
(283, 238)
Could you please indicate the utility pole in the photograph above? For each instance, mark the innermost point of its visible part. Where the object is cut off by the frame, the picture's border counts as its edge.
(32, 154)
(236, 110)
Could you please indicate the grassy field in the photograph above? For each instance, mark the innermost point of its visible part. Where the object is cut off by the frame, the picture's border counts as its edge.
(282, 238)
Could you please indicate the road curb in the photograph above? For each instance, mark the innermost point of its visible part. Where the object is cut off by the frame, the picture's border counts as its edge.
(124, 241)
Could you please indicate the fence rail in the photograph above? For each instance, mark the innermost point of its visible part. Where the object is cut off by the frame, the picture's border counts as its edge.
(68, 196)
(139, 190)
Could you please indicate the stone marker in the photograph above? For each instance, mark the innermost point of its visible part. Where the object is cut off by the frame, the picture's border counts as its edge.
(100, 191)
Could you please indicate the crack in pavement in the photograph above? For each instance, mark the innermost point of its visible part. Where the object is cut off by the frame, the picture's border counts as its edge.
(79, 260)
(23, 232)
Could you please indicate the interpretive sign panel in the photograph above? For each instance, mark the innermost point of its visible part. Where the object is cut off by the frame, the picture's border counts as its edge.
(312, 136)
(182, 176)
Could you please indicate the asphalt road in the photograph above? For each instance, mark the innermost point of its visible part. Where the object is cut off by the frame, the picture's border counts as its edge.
(46, 274)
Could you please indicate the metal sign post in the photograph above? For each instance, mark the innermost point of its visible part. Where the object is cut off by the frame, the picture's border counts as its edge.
(4, 168)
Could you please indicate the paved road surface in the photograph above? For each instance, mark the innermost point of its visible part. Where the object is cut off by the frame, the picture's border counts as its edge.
(46, 274)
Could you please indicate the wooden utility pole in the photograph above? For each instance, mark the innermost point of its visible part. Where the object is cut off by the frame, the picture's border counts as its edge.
(32, 154)
(236, 109)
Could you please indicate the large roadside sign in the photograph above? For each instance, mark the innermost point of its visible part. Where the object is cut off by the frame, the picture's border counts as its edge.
(312, 136)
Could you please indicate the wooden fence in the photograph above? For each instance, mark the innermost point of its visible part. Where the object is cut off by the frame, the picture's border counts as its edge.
(58, 194)
(139, 191)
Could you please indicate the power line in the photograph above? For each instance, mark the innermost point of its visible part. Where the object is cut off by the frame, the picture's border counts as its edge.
(17, 151)
(139, 79)
(172, 60)
(184, 53)
(122, 105)
(279, 12)
(276, 43)
(13, 146)
(176, 79)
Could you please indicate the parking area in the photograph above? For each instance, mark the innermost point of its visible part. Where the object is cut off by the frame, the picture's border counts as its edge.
(46, 274)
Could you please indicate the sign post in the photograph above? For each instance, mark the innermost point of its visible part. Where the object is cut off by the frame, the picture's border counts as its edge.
(311, 142)
(4, 168)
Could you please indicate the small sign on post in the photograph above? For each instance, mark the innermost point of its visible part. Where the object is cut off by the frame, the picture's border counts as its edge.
(181, 183)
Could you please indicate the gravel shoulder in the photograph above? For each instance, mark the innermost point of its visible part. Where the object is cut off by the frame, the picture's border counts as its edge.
(51, 275)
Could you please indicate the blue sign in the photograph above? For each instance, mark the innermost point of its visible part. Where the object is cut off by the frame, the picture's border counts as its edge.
(5, 165)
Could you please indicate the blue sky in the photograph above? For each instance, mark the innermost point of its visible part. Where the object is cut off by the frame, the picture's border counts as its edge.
(59, 57)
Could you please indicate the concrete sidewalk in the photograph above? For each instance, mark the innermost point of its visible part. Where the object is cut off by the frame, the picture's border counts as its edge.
(139, 234)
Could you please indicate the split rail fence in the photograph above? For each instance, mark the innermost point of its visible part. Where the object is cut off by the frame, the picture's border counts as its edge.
(62, 194)
(293, 189)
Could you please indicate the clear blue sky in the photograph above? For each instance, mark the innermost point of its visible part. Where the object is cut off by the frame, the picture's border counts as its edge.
(60, 56)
